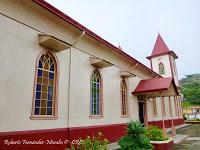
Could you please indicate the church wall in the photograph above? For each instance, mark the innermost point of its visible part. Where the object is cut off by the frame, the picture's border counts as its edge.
(81, 71)
(18, 54)
(157, 120)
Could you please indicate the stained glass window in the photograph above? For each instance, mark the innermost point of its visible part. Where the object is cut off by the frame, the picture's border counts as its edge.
(45, 85)
(96, 93)
(124, 98)
(161, 68)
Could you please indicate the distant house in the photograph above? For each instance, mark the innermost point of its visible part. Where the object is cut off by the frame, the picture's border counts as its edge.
(192, 112)
(60, 81)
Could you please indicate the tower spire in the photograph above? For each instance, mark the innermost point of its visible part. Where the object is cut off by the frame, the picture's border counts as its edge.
(160, 46)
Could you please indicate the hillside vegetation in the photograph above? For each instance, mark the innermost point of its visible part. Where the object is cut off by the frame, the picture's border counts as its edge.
(191, 88)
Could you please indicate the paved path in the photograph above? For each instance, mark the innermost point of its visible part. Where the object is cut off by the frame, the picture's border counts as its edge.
(192, 142)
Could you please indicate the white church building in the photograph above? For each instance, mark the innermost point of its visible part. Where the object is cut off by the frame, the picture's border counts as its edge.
(59, 81)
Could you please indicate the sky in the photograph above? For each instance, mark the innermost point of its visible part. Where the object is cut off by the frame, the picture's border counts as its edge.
(135, 25)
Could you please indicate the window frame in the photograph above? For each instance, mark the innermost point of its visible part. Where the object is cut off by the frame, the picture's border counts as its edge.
(123, 80)
(54, 115)
(100, 115)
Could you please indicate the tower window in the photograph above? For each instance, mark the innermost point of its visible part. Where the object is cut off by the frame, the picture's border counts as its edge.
(161, 68)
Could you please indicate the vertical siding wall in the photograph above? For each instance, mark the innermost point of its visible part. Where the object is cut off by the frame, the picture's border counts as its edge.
(158, 117)
(18, 54)
(81, 71)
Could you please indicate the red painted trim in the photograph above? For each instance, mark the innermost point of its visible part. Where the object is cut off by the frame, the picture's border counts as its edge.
(68, 19)
(112, 132)
(151, 91)
(146, 86)
(192, 122)
(37, 135)
(163, 146)
(167, 123)
(170, 52)
(32, 131)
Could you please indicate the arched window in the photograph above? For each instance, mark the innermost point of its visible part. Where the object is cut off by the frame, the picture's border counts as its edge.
(96, 102)
(124, 106)
(161, 68)
(45, 86)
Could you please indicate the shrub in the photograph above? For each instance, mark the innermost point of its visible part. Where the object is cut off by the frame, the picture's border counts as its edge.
(155, 134)
(136, 138)
(91, 143)
(198, 119)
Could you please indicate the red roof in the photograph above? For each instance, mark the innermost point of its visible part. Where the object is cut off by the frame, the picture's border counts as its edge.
(154, 85)
(68, 19)
(160, 48)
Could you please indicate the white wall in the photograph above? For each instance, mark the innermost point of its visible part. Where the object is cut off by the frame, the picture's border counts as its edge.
(175, 71)
(151, 117)
(18, 54)
(165, 60)
(81, 71)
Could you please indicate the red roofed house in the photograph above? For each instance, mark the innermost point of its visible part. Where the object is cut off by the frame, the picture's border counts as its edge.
(60, 81)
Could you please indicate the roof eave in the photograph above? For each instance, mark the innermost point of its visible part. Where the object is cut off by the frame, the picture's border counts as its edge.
(170, 52)
(68, 19)
(150, 91)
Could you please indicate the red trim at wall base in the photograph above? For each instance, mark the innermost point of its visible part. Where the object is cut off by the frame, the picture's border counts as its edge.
(192, 122)
(64, 137)
(164, 146)
(40, 136)
(111, 132)
(168, 123)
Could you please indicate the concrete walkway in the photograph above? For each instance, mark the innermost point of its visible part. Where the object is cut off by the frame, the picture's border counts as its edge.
(179, 137)
(192, 141)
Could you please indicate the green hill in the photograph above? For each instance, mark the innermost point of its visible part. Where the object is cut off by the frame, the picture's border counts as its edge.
(191, 88)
